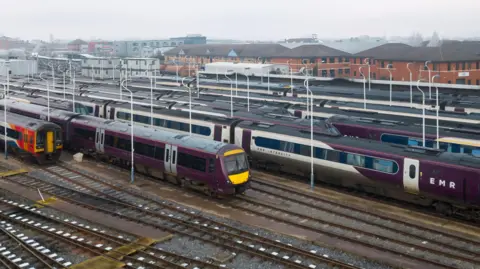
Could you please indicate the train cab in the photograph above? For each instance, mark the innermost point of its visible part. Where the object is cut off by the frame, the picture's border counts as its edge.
(45, 142)
(236, 167)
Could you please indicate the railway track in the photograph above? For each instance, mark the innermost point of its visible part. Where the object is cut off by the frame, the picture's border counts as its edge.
(92, 240)
(369, 229)
(115, 199)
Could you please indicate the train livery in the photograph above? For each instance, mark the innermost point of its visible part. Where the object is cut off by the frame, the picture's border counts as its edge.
(214, 167)
(447, 181)
(31, 138)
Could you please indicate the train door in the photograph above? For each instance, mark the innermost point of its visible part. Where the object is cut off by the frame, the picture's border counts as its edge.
(50, 141)
(97, 112)
(217, 133)
(100, 140)
(246, 140)
(112, 113)
(171, 159)
(411, 170)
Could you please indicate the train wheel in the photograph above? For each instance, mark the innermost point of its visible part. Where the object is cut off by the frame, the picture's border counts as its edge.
(444, 208)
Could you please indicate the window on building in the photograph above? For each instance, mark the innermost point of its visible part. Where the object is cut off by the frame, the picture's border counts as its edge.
(478, 81)
(360, 61)
(305, 61)
(354, 60)
(469, 66)
(340, 72)
(332, 73)
(449, 67)
(324, 59)
(136, 62)
(98, 61)
(435, 66)
(347, 60)
(449, 82)
(347, 71)
(354, 73)
(463, 66)
(457, 66)
(331, 60)
(374, 75)
(382, 64)
(469, 82)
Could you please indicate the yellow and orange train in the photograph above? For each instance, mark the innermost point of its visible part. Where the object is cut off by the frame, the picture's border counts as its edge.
(31, 138)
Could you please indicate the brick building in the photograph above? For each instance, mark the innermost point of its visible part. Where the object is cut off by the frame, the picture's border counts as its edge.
(319, 60)
(454, 61)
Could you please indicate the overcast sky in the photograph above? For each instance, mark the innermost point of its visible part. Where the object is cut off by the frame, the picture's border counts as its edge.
(243, 19)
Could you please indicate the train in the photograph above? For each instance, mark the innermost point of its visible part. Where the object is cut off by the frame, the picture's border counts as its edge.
(216, 168)
(429, 177)
(452, 136)
(33, 139)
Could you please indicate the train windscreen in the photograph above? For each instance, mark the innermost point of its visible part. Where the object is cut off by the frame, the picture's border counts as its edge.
(236, 164)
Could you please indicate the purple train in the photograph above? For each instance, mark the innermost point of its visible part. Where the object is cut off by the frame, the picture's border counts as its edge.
(213, 167)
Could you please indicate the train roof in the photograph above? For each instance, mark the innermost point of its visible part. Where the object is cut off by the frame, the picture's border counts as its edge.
(26, 122)
(406, 126)
(217, 119)
(365, 144)
(147, 132)
(39, 110)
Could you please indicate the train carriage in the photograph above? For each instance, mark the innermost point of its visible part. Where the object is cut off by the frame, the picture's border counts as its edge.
(213, 167)
(31, 138)
(447, 181)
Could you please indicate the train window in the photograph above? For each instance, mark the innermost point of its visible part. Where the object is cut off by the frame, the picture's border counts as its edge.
(320, 153)
(267, 143)
(476, 152)
(384, 166)
(141, 119)
(199, 163)
(159, 122)
(124, 144)
(184, 160)
(201, 130)
(25, 138)
(86, 134)
(108, 140)
(333, 156)
(455, 148)
(58, 135)
(159, 153)
(444, 146)
(287, 146)
(12, 133)
(412, 171)
(168, 155)
(395, 139)
(174, 154)
(356, 160)
(145, 149)
(123, 115)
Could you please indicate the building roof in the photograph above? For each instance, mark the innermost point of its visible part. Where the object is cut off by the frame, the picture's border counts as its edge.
(233, 50)
(313, 50)
(78, 42)
(447, 52)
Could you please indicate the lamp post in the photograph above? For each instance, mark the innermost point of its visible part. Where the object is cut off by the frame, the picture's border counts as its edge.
(176, 65)
(5, 119)
(48, 97)
(364, 88)
(231, 93)
(423, 112)
(309, 92)
(198, 82)
(73, 84)
(236, 83)
(248, 88)
(151, 99)
(64, 87)
(389, 71)
(132, 175)
(189, 104)
(92, 71)
(411, 85)
(5, 91)
(268, 80)
(291, 76)
(437, 108)
(429, 79)
(367, 62)
(53, 75)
